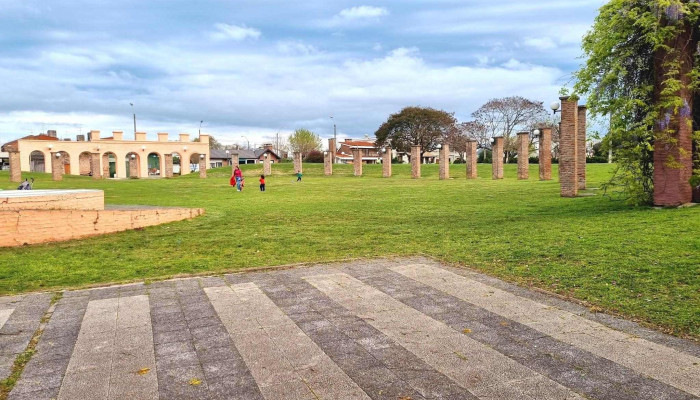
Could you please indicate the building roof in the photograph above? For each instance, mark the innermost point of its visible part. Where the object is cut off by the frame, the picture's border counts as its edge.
(358, 143)
(242, 154)
(12, 146)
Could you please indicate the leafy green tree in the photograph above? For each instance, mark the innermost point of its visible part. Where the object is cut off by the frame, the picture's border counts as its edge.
(422, 126)
(642, 70)
(304, 141)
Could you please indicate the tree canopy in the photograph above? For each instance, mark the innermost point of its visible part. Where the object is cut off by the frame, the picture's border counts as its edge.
(634, 74)
(422, 126)
(304, 141)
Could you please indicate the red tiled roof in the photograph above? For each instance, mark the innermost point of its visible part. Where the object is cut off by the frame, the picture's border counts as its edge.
(12, 146)
(362, 143)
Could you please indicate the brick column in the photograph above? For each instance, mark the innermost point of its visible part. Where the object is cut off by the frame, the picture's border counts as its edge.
(545, 154)
(568, 149)
(328, 163)
(415, 161)
(202, 166)
(56, 167)
(445, 162)
(95, 166)
(523, 155)
(267, 165)
(471, 159)
(332, 148)
(581, 148)
(105, 165)
(357, 161)
(497, 158)
(234, 162)
(133, 167)
(297, 163)
(386, 162)
(15, 167)
(168, 165)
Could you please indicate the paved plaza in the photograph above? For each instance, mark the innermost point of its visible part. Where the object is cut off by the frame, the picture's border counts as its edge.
(385, 329)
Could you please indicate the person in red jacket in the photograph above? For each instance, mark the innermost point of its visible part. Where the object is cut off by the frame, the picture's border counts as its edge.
(262, 183)
(238, 178)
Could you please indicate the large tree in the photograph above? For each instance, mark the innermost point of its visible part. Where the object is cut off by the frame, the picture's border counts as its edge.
(422, 126)
(506, 117)
(304, 141)
(643, 72)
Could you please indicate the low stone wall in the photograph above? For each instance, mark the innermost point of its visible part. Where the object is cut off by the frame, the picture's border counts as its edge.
(22, 227)
(12, 200)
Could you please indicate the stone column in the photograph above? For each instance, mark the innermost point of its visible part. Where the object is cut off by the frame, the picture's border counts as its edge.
(328, 163)
(445, 162)
(234, 162)
(332, 148)
(568, 148)
(15, 167)
(357, 161)
(134, 167)
(497, 158)
(545, 154)
(581, 148)
(95, 166)
(386, 162)
(267, 167)
(523, 155)
(297, 163)
(415, 161)
(471, 159)
(105, 165)
(202, 166)
(168, 162)
(56, 166)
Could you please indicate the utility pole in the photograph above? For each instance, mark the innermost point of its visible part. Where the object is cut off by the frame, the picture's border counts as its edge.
(335, 133)
(134, 112)
(200, 127)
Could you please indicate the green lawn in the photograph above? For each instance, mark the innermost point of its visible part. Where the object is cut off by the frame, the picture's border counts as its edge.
(641, 262)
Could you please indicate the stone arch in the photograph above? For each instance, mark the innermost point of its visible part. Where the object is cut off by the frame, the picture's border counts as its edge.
(64, 159)
(194, 162)
(84, 163)
(177, 163)
(37, 161)
(133, 161)
(155, 164)
(109, 165)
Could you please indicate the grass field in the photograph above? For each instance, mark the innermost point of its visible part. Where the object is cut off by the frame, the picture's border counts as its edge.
(639, 262)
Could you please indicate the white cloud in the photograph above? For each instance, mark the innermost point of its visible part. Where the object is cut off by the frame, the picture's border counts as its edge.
(234, 32)
(542, 43)
(361, 12)
(295, 47)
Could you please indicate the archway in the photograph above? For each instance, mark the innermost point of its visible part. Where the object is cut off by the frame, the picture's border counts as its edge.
(194, 162)
(132, 160)
(154, 164)
(64, 159)
(84, 164)
(37, 161)
(109, 165)
(177, 164)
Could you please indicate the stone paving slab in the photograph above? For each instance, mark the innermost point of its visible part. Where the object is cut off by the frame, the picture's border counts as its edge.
(395, 329)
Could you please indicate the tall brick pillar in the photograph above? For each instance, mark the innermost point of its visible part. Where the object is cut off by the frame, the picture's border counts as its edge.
(581, 148)
(133, 167)
(328, 163)
(15, 167)
(234, 161)
(267, 165)
(545, 154)
(445, 162)
(523, 155)
(568, 147)
(386, 162)
(202, 166)
(95, 166)
(471, 159)
(497, 158)
(105, 165)
(168, 165)
(415, 161)
(297, 163)
(357, 161)
(57, 166)
(332, 148)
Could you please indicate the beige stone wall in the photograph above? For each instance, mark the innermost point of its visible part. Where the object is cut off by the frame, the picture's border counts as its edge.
(568, 148)
(415, 161)
(386, 162)
(581, 148)
(545, 154)
(18, 228)
(497, 158)
(52, 200)
(119, 147)
(523, 155)
(471, 159)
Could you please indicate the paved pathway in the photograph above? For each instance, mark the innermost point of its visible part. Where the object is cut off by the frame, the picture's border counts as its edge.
(385, 329)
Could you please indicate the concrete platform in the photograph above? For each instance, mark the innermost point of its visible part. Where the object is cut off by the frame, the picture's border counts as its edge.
(384, 329)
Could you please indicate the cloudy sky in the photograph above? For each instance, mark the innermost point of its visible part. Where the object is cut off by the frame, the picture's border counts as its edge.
(257, 67)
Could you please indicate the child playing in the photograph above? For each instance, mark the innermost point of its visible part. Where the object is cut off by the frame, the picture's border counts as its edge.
(262, 183)
(299, 176)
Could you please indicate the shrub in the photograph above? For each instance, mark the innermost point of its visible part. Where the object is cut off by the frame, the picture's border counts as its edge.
(314, 156)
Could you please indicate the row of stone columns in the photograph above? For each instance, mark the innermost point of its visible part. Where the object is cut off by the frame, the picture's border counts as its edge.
(572, 147)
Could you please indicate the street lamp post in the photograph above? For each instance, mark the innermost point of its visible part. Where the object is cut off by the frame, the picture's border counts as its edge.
(134, 113)
(200, 127)
(247, 141)
(335, 133)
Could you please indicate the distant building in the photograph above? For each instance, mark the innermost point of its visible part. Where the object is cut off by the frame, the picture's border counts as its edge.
(368, 151)
(222, 158)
